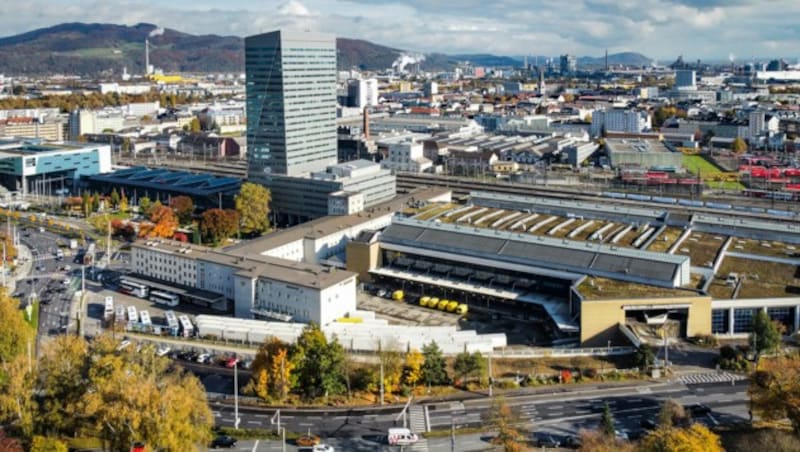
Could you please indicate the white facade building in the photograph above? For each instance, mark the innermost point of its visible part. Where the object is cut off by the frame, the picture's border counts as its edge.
(363, 92)
(405, 154)
(618, 120)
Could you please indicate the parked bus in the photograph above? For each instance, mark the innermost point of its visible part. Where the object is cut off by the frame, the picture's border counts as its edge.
(133, 288)
(165, 298)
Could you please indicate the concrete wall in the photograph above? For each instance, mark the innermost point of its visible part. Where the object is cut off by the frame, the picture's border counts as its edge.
(599, 318)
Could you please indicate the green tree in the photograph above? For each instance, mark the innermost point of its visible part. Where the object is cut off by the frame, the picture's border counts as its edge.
(319, 364)
(775, 389)
(252, 203)
(607, 422)
(739, 146)
(766, 336)
(86, 204)
(183, 207)
(644, 357)
(114, 198)
(469, 365)
(434, 370)
(95, 202)
(144, 205)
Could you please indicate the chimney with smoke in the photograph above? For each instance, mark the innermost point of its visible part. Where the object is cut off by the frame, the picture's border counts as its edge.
(158, 31)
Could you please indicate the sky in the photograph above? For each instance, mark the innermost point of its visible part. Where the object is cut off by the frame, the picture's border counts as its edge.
(661, 29)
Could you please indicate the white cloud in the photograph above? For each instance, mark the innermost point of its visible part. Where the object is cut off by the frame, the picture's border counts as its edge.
(659, 28)
(294, 8)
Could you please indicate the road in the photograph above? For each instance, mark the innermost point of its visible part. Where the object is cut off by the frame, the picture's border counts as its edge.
(46, 282)
(560, 411)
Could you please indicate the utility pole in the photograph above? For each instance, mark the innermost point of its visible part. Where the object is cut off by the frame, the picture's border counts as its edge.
(236, 396)
(380, 357)
(491, 380)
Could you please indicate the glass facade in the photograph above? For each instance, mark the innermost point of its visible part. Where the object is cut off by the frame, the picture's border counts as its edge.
(291, 103)
(785, 315)
(743, 320)
(719, 321)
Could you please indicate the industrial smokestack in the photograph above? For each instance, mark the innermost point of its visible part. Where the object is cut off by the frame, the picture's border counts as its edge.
(146, 56)
(365, 126)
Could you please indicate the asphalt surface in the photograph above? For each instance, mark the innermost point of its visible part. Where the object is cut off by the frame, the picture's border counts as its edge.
(561, 412)
(46, 282)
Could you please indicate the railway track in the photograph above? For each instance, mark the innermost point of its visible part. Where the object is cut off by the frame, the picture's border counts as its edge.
(461, 186)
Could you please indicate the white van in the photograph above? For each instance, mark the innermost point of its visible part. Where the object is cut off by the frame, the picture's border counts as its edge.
(401, 437)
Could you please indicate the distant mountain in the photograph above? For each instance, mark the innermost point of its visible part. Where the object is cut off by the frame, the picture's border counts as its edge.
(91, 49)
(616, 59)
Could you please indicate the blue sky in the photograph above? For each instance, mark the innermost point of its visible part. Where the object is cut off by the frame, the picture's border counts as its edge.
(661, 29)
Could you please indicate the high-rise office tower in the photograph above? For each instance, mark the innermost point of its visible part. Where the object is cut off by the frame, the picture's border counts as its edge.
(291, 103)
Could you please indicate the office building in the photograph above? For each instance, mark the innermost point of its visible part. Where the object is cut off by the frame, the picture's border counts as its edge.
(685, 79)
(291, 103)
(362, 93)
(619, 120)
(569, 64)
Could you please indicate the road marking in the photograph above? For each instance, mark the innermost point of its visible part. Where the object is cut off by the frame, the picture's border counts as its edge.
(255, 446)
(254, 422)
(305, 424)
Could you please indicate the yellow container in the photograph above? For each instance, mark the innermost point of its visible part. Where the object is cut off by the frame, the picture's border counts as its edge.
(424, 301)
(452, 306)
(462, 309)
(397, 295)
(433, 302)
(442, 305)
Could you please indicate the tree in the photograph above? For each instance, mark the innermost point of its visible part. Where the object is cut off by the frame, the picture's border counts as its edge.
(607, 422)
(144, 205)
(183, 207)
(15, 332)
(671, 414)
(114, 198)
(252, 203)
(164, 222)
(319, 364)
(17, 406)
(434, 371)
(392, 361)
(766, 336)
(468, 365)
(122, 395)
(644, 357)
(595, 441)
(45, 444)
(739, 146)
(101, 223)
(95, 200)
(412, 370)
(695, 437)
(505, 420)
(86, 204)
(123, 204)
(217, 225)
(281, 374)
(775, 389)
(194, 126)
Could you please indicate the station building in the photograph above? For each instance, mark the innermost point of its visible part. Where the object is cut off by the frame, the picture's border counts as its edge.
(39, 167)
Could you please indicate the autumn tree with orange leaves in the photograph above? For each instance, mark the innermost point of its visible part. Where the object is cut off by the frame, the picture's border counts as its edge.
(163, 223)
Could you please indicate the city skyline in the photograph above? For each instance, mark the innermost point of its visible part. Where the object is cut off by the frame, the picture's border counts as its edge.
(708, 29)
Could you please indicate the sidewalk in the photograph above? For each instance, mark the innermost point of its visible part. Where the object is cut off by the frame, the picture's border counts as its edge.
(23, 268)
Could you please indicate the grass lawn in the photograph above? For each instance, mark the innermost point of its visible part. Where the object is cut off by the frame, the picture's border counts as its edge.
(696, 164)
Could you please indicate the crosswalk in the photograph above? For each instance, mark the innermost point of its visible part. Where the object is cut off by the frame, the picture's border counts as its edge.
(416, 419)
(710, 377)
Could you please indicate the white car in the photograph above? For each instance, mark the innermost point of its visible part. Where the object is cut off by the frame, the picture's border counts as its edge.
(322, 448)
(203, 358)
(123, 345)
(162, 351)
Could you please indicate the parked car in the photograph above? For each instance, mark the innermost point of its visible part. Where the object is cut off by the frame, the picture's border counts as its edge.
(163, 350)
(697, 410)
(224, 441)
(123, 345)
(573, 442)
(546, 440)
(204, 358)
(648, 424)
(230, 363)
(308, 440)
